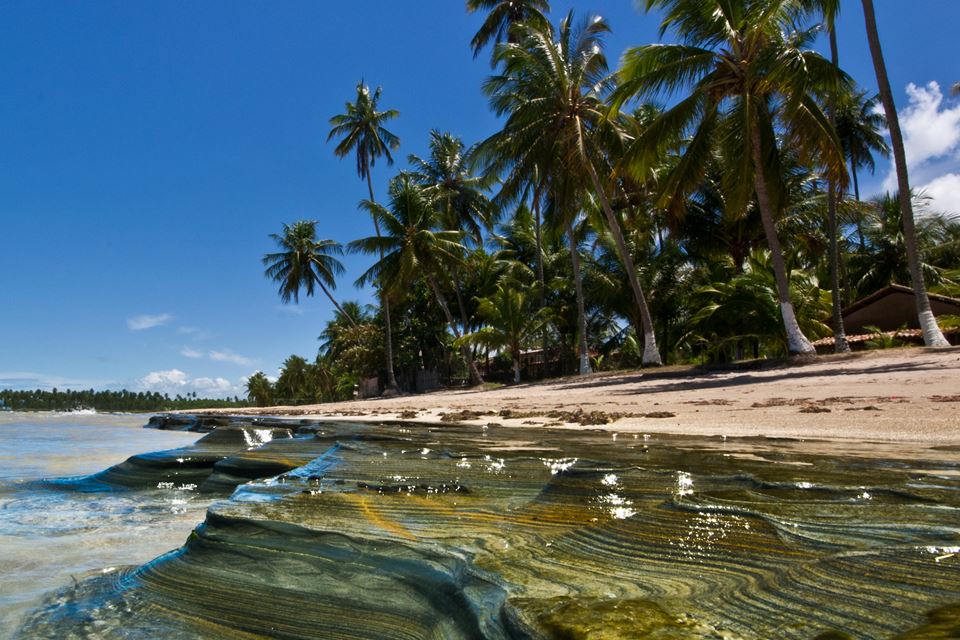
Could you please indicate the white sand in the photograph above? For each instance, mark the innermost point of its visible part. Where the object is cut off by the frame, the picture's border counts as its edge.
(913, 396)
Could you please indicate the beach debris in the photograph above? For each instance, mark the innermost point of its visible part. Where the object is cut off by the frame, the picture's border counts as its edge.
(659, 414)
(812, 408)
(954, 398)
(463, 415)
(407, 414)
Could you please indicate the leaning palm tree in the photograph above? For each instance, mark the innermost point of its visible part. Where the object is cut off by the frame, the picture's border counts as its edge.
(551, 92)
(363, 134)
(412, 248)
(304, 263)
(754, 84)
(932, 336)
(503, 15)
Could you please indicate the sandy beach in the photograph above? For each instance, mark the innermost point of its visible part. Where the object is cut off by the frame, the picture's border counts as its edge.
(901, 395)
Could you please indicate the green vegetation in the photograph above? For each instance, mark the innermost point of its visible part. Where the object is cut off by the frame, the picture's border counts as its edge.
(701, 201)
(75, 400)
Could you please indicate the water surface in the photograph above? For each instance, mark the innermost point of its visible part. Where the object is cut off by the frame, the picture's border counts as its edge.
(49, 536)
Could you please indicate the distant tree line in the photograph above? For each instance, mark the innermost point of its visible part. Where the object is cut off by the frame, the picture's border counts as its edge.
(73, 400)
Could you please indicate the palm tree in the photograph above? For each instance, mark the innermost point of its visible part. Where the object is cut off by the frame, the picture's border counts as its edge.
(859, 128)
(460, 195)
(550, 89)
(503, 15)
(304, 262)
(413, 248)
(511, 319)
(363, 134)
(932, 336)
(260, 390)
(882, 261)
(751, 75)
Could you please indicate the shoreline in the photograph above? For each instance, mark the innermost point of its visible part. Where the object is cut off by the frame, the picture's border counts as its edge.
(907, 395)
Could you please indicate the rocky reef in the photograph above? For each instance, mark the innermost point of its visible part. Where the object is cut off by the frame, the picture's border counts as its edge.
(401, 530)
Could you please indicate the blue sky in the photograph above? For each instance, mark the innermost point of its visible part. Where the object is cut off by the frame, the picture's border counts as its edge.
(149, 148)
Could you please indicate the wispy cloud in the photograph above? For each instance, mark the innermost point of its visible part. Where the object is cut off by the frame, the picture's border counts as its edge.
(191, 353)
(290, 310)
(139, 323)
(226, 355)
(19, 380)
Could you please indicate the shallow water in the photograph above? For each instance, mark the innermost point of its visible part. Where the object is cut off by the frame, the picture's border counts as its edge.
(446, 532)
(50, 537)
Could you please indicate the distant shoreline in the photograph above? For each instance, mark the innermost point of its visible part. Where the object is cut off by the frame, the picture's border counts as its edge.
(897, 395)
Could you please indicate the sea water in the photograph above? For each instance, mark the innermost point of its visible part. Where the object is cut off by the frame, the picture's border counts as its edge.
(51, 537)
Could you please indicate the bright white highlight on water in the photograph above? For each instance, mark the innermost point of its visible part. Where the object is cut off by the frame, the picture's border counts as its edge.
(559, 465)
(684, 483)
(257, 437)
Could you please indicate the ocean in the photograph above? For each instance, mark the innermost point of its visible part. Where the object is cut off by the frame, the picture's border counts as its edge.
(52, 536)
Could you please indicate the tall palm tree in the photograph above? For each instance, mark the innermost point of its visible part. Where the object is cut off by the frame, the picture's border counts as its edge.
(363, 134)
(460, 195)
(503, 15)
(550, 90)
(304, 263)
(932, 336)
(750, 75)
(411, 248)
(833, 195)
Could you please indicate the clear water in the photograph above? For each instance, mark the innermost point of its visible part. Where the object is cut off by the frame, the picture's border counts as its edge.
(50, 537)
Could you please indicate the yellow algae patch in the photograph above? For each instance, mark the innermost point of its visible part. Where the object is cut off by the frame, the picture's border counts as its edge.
(374, 516)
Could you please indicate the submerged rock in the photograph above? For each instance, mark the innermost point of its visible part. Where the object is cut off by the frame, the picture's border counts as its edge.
(452, 531)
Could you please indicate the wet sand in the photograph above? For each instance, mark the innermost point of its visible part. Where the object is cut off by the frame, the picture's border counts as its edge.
(901, 395)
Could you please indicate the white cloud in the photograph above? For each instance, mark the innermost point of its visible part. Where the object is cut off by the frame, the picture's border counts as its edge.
(175, 381)
(139, 323)
(931, 132)
(187, 352)
(226, 355)
(944, 192)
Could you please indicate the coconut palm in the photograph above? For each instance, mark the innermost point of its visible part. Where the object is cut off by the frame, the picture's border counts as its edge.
(932, 336)
(412, 248)
(363, 134)
(750, 75)
(883, 260)
(550, 90)
(460, 195)
(859, 128)
(503, 14)
(511, 321)
(304, 263)
(260, 390)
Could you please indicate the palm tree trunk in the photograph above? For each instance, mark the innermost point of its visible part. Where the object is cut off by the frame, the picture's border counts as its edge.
(651, 355)
(797, 343)
(581, 312)
(839, 334)
(515, 352)
(932, 336)
(392, 388)
(540, 278)
(337, 305)
(475, 377)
